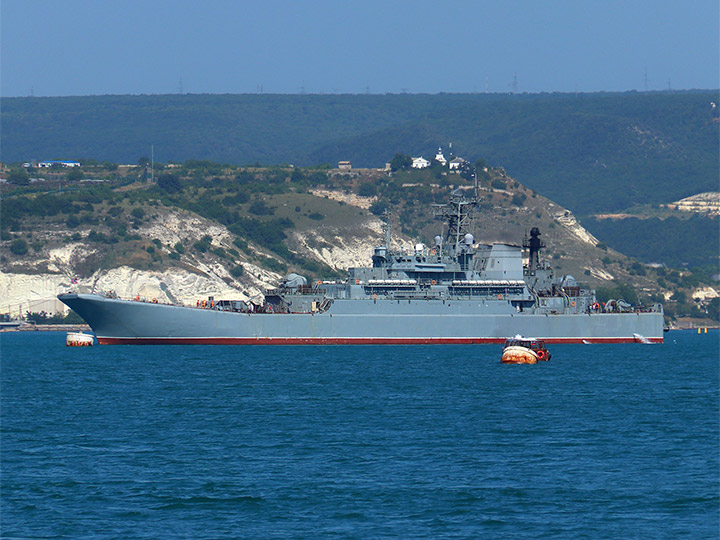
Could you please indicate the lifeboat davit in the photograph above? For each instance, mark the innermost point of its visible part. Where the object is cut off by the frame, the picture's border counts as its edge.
(521, 350)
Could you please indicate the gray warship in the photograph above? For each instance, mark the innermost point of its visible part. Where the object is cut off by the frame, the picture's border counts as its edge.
(452, 292)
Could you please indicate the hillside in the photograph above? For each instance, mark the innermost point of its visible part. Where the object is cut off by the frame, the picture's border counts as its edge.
(601, 152)
(208, 230)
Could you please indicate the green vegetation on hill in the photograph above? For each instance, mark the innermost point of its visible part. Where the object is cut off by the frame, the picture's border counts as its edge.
(672, 241)
(263, 208)
(589, 152)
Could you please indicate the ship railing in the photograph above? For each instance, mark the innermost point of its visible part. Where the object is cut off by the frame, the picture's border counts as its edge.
(487, 282)
(487, 291)
(302, 289)
(413, 295)
(393, 282)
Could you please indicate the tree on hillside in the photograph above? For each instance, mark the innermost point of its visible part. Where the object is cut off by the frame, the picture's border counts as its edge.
(400, 162)
(169, 182)
(467, 171)
(19, 177)
(19, 246)
(74, 174)
(367, 189)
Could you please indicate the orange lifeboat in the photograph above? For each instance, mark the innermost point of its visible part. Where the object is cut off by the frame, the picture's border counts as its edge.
(520, 350)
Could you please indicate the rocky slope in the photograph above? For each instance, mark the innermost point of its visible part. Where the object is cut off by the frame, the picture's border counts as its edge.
(30, 282)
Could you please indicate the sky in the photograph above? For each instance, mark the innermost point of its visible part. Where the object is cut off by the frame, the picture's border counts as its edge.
(94, 47)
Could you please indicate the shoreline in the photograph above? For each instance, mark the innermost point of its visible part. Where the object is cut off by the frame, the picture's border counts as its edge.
(48, 328)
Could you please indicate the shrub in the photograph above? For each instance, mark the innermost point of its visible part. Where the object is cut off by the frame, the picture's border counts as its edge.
(201, 245)
(138, 213)
(19, 177)
(74, 174)
(367, 190)
(169, 183)
(317, 216)
(19, 246)
(237, 271)
(272, 264)
(259, 208)
(179, 248)
(378, 207)
(242, 244)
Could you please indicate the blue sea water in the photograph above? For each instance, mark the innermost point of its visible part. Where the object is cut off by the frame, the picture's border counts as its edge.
(602, 442)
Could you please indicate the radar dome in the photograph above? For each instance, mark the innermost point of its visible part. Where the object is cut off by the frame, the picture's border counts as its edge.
(293, 281)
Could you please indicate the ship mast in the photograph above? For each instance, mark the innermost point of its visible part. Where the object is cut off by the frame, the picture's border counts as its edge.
(457, 213)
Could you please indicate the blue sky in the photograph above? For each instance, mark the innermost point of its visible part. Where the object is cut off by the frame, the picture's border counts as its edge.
(88, 47)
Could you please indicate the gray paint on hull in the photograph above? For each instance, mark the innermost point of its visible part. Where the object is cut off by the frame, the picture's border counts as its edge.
(358, 319)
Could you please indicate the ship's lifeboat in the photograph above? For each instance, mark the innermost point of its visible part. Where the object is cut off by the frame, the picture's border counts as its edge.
(520, 350)
(78, 339)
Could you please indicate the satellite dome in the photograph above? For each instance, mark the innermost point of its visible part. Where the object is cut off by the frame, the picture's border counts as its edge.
(293, 281)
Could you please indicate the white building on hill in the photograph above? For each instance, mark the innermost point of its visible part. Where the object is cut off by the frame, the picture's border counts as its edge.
(420, 163)
(456, 163)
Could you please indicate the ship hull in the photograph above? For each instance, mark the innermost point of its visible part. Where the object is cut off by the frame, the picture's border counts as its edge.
(355, 322)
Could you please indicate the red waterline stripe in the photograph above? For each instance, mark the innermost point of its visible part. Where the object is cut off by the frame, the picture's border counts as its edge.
(348, 341)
